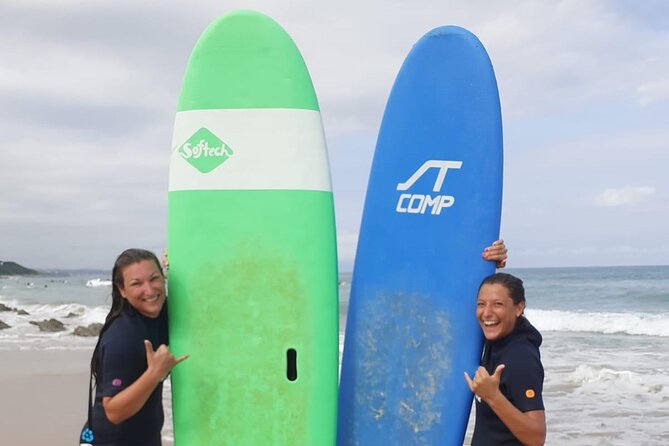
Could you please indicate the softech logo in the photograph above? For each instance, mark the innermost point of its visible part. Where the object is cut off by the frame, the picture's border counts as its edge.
(205, 151)
(423, 203)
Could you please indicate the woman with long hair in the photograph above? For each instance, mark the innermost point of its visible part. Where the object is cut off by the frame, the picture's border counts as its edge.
(131, 358)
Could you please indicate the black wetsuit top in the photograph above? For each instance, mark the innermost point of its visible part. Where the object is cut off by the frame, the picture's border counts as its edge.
(521, 382)
(122, 361)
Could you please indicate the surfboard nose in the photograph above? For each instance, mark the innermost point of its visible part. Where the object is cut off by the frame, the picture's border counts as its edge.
(245, 59)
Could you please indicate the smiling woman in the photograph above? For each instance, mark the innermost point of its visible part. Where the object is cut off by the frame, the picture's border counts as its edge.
(509, 383)
(498, 308)
(144, 287)
(131, 358)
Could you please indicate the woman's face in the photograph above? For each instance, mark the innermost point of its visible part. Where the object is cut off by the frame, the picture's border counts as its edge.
(144, 287)
(496, 311)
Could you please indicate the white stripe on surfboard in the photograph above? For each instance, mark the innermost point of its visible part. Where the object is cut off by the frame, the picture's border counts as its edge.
(266, 149)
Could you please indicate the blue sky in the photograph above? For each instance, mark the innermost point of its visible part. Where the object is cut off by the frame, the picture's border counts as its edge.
(89, 90)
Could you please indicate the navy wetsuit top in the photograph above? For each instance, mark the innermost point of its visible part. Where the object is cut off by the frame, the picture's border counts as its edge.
(122, 361)
(522, 382)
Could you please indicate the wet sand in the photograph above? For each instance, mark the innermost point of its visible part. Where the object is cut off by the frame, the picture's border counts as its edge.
(42, 396)
(43, 399)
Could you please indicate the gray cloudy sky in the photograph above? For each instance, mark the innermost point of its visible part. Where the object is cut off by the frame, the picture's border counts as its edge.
(88, 91)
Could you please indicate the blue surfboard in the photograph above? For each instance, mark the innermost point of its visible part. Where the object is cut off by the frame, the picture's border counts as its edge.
(433, 204)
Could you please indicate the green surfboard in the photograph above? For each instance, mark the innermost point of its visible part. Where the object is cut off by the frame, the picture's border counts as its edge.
(251, 240)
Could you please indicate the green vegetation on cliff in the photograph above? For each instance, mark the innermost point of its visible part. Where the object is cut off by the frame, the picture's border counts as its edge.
(14, 269)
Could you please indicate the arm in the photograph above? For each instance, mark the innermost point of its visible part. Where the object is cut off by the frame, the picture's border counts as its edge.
(130, 400)
(528, 427)
(497, 253)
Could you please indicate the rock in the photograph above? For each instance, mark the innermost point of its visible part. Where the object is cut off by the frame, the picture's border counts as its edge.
(92, 330)
(50, 326)
(3, 325)
(22, 312)
(4, 307)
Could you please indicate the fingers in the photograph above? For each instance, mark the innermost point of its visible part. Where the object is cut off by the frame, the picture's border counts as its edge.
(181, 359)
(497, 252)
(165, 263)
(469, 382)
(162, 356)
(164, 351)
(483, 384)
(481, 375)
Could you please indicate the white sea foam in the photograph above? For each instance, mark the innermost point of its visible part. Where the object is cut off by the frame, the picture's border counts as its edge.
(607, 323)
(24, 335)
(623, 381)
(94, 283)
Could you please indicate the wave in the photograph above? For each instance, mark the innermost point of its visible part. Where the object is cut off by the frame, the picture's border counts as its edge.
(94, 283)
(622, 380)
(73, 310)
(26, 336)
(606, 323)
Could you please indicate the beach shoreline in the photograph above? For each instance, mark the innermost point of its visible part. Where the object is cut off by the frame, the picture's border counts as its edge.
(606, 374)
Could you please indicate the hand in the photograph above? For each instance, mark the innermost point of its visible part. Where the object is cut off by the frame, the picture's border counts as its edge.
(161, 361)
(484, 385)
(496, 252)
(165, 262)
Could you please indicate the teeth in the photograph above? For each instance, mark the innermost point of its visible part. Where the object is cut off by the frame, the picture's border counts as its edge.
(489, 323)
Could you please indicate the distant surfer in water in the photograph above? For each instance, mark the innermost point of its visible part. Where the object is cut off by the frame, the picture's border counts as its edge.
(131, 358)
(508, 385)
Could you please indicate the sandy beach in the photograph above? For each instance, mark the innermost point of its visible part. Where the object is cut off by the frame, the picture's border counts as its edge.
(43, 395)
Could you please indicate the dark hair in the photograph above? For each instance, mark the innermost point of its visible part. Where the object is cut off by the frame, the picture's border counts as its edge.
(512, 283)
(119, 304)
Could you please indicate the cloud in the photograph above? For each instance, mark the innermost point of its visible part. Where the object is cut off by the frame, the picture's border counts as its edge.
(90, 88)
(565, 54)
(625, 196)
(653, 92)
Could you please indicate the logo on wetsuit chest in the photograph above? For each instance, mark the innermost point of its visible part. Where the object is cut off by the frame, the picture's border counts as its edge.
(530, 393)
(117, 382)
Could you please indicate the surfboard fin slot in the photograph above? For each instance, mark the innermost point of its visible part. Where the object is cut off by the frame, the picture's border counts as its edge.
(291, 364)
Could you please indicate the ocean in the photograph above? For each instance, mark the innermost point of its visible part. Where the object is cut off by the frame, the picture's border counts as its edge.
(605, 349)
